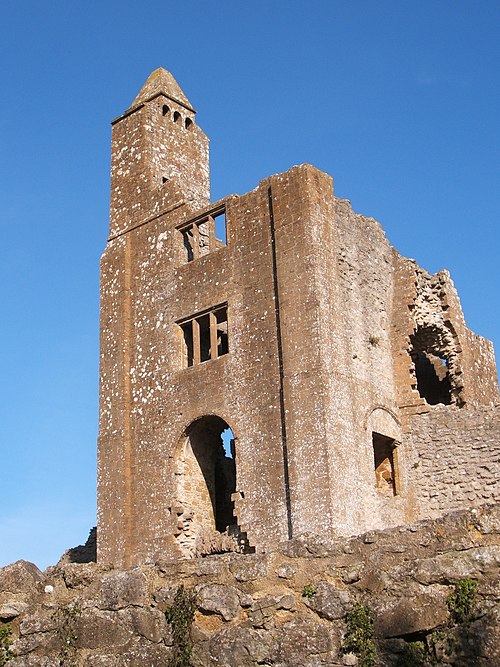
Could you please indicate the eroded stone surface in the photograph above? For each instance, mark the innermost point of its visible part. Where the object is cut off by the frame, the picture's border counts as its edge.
(118, 617)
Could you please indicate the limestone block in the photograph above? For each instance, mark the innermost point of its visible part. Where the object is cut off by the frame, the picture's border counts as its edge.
(120, 589)
(248, 569)
(303, 637)
(11, 608)
(150, 624)
(96, 629)
(244, 647)
(219, 599)
(31, 661)
(451, 567)
(43, 621)
(78, 575)
(144, 653)
(20, 577)
(329, 602)
(412, 614)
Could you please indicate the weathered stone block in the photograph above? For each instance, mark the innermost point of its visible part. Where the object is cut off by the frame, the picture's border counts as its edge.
(96, 629)
(20, 577)
(412, 615)
(244, 647)
(121, 589)
(329, 602)
(448, 568)
(150, 624)
(219, 599)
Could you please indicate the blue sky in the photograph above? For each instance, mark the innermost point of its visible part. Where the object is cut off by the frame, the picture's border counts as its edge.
(398, 100)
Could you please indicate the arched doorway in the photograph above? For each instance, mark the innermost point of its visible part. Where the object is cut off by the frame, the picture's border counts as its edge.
(206, 482)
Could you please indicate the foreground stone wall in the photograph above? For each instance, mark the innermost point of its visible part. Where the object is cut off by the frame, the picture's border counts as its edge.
(455, 458)
(251, 610)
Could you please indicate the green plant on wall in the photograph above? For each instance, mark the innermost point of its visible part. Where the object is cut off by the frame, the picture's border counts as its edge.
(5, 642)
(462, 604)
(180, 617)
(359, 637)
(308, 591)
(462, 601)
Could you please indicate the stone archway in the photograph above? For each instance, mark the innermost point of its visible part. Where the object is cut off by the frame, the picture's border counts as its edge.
(206, 482)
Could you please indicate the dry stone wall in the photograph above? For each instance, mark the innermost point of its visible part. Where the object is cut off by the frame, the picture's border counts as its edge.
(455, 458)
(285, 608)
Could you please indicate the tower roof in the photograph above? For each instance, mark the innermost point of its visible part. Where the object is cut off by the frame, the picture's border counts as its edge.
(161, 82)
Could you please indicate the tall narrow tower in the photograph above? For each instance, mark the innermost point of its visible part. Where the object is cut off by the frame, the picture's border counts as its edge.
(159, 175)
(159, 155)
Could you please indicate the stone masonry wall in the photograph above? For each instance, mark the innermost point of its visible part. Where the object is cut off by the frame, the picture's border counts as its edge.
(285, 609)
(361, 384)
(455, 458)
(328, 329)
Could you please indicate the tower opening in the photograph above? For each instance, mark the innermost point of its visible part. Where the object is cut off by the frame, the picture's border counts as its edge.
(207, 487)
(431, 366)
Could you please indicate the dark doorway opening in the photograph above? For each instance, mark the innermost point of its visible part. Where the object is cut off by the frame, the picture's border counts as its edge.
(385, 471)
(217, 466)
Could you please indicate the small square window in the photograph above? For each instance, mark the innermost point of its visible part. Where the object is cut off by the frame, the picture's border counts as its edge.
(204, 235)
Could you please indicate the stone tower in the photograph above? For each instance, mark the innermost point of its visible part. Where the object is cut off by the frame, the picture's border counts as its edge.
(285, 323)
(160, 156)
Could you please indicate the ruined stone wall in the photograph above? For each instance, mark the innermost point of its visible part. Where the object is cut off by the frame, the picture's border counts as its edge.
(455, 458)
(149, 398)
(429, 305)
(362, 396)
(286, 608)
(302, 209)
(323, 317)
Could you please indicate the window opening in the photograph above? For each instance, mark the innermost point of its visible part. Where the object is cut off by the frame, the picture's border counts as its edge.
(164, 179)
(228, 442)
(188, 240)
(203, 236)
(206, 491)
(177, 116)
(385, 473)
(205, 337)
(222, 337)
(220, 227)
(188, 351)
(165, 109)
(204, 327)
(432, 373)
(187, 123)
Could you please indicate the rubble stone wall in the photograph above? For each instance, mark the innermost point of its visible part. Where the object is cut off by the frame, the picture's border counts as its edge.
(455, 458)
(287, 608)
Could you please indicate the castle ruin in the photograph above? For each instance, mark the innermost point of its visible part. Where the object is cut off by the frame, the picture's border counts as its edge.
(270, 366)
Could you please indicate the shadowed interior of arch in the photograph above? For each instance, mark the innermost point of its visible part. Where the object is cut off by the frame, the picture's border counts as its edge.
(212, 444)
